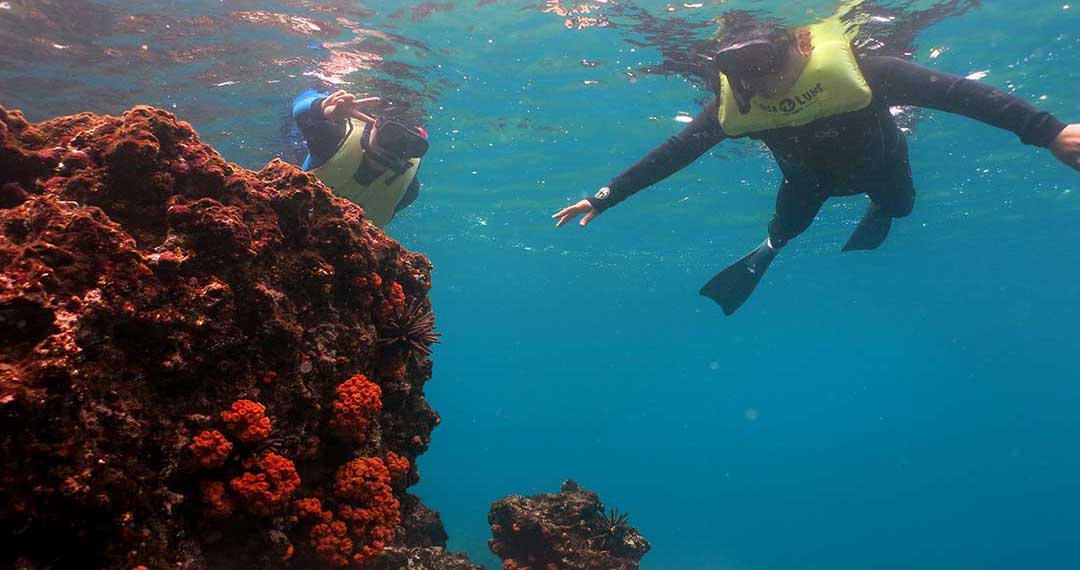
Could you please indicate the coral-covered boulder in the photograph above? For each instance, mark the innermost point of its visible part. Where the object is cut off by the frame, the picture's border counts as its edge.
(201, 366)
(568, 530)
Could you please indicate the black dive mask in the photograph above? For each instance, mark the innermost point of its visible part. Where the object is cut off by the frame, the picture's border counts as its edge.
(750, 59)
(743, 62)
(394, 144)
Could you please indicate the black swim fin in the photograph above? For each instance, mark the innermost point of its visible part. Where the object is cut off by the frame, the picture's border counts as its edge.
(871, 231)
(732, 287)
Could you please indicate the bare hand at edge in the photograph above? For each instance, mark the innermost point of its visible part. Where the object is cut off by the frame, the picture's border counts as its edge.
(570, 212)
(1066, 147)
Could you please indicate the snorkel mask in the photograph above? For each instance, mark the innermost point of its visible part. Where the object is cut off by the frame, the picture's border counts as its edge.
(395, 144)
(752, 59)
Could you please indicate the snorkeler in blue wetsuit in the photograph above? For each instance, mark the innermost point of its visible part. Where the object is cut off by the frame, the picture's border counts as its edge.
(824, 114)
(371, 161)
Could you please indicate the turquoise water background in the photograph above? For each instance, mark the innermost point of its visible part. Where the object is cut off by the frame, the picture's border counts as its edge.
(913, 407)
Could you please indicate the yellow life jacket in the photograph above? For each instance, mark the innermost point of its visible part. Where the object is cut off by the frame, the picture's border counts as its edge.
(830, 84)
(379, 198)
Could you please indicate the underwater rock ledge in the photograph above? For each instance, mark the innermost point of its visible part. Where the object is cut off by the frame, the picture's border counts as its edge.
(202, 366)
(568, 530)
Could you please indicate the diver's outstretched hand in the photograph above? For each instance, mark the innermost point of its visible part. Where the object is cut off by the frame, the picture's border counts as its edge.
(342, 104)
(570, 212)
(1066, 147)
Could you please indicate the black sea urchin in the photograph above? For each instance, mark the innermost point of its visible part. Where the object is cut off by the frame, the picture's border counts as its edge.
(612, 526)
(413, 326)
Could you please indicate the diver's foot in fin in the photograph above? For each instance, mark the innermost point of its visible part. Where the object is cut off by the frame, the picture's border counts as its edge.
(732, 287)
(871, 231)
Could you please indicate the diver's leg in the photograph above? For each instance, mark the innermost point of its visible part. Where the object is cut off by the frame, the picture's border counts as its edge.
(896, 196)
(891, 197)
(796, 207)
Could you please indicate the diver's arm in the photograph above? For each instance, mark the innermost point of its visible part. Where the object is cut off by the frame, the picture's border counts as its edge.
(904, 83)
(672, 155)
(307, 107)
(321, 134)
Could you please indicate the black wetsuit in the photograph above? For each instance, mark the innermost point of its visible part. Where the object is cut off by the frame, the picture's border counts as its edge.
(858, 152)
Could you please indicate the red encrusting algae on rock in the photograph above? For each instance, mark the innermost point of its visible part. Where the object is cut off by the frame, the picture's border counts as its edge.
(147, 286)
(247, 419)
(210, 449)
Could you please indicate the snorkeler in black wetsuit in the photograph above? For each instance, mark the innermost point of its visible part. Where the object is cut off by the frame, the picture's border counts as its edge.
(824, 114)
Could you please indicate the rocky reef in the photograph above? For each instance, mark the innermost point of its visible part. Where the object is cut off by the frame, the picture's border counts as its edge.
(201, 366)
(568, 530)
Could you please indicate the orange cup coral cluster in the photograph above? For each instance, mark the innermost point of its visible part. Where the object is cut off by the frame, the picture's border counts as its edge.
(329, 538)
(393, 303)
(269, 486)
(367, 513)
(371, 508)
(311, 508)
(398, 465)
(247, 420)
(358, 401)
(331, 542)
(210, 449)
(217, 503)
(366, 509)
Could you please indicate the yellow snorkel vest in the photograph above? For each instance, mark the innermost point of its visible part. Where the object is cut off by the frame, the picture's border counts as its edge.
(830, 84)
(379, 198)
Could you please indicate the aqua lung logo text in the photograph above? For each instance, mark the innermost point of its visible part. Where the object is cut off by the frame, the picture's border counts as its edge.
(794, 104)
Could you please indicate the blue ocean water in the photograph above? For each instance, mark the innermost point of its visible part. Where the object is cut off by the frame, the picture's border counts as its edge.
(913, 407)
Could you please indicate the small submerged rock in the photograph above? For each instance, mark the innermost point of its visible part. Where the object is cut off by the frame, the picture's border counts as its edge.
(568, 530)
